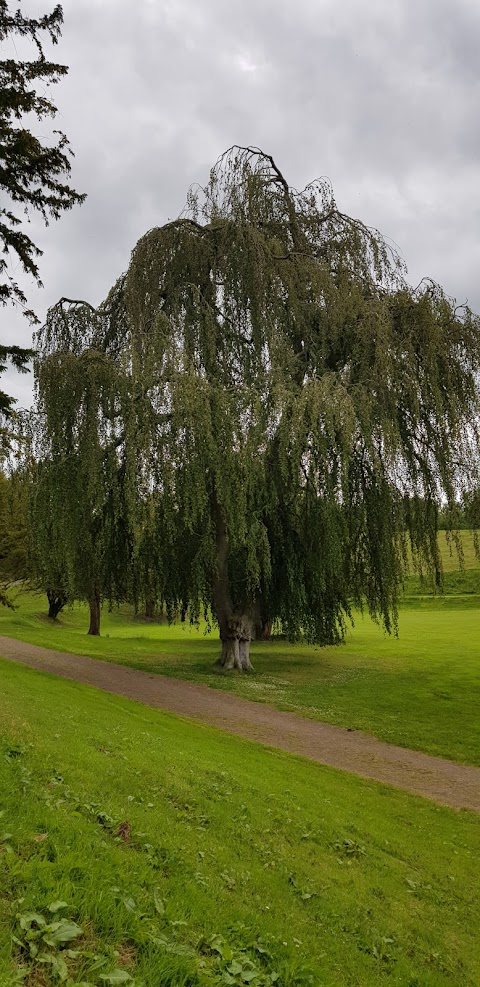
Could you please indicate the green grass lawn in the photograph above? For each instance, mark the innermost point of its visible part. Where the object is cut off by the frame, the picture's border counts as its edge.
(160, 852)
(420, 690)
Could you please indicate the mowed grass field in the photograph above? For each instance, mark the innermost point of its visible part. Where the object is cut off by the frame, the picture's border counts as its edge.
(420, 689)
(140, 848)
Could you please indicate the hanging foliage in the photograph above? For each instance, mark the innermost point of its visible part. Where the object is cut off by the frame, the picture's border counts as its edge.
(81, 501)
(272, 415)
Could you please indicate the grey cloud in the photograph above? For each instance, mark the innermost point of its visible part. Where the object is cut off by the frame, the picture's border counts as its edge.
(380, 97)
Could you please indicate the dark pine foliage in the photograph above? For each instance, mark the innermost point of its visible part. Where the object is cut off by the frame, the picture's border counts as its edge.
(33, 171)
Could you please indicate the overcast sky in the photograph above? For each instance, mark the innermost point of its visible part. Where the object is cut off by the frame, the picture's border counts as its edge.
(381, 97)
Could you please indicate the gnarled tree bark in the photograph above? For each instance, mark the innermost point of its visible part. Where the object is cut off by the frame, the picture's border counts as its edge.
(235, 635)
(235, 628)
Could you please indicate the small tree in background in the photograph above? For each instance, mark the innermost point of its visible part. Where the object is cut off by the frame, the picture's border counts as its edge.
(81, 529)
(292, 413)
(16, 561)
(14, 531)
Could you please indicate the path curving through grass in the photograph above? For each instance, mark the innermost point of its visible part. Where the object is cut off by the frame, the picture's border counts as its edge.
(455, 785)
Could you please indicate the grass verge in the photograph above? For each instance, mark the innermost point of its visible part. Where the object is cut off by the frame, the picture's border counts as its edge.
(420, 690)
(187, 857)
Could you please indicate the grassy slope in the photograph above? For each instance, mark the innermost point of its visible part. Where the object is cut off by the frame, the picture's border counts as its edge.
(420, 690)
(456, 580)
(353, 882)
(449, 553)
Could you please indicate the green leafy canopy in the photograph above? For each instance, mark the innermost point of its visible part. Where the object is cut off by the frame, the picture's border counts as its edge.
(263, 416)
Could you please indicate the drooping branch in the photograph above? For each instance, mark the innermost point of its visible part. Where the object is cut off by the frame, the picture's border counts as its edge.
(265, 412)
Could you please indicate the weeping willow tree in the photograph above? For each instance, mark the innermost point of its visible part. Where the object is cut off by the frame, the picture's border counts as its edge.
(289, 414)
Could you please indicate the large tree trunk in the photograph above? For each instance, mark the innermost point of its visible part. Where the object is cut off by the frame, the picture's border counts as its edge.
(56, 602)
(150, 609)
(235, 628)
(235, 635)
(94, 603)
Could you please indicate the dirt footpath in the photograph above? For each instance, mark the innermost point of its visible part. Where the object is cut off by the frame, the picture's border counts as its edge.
(451, 784)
